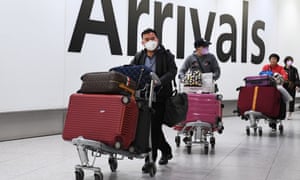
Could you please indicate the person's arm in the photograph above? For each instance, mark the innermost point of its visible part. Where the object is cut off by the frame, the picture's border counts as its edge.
(185, 67)
(172, 70)
(284, 74)
(266, 68)
(297, 81)
(296, 75)
(136, 58)
(216, 68)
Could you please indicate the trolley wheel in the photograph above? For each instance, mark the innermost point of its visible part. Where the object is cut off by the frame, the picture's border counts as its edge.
(113, 164)
(125, 100)
(189, 149)
(98, 176)
(206, 147)
(212, 142)
(79, 174)
(248, 131)
(191, 133)
(280, 127)
(260, 131)
(152, 169)
(177, 141)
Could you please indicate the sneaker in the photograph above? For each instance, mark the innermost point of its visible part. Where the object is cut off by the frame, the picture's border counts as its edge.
(164, 159)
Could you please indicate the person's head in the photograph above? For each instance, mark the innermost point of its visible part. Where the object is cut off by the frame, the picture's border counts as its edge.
(201, 46)
(149, 39)
(274, 59)
(288, 60)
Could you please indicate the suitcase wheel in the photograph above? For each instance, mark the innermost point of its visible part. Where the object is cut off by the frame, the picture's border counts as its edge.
(219, 97)
(118, 145)
(131, 149)
(125, 100)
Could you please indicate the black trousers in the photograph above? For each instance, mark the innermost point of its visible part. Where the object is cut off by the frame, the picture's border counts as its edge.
(159, 141)
(292, 92)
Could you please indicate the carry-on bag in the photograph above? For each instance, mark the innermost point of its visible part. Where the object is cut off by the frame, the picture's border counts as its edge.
(110, 119)
(106, 83)
(263, 80)
(141, 141)
(205, 108)
(139, 73)
(264, 99)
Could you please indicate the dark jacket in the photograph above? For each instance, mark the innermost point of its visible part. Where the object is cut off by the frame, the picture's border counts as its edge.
(293, 76)
(166, 70)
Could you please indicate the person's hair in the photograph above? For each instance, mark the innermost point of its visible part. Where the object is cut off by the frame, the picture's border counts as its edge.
(275, 56)
(147, 31)
(288, 58)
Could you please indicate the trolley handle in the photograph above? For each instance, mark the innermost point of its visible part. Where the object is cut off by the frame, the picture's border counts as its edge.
(155, 78)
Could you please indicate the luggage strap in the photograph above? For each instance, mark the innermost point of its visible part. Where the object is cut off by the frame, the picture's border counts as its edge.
(254, 97)
(123, 86)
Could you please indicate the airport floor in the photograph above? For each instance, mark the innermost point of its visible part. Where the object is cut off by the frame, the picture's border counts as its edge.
(237, 156)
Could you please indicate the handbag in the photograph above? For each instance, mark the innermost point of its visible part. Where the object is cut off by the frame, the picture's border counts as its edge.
(176, 109)
(193, 78)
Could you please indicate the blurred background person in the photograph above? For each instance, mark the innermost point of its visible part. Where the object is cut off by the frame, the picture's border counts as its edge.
(292, 83)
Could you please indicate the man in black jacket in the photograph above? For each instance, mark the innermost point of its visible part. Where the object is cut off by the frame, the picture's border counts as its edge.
(162, 62)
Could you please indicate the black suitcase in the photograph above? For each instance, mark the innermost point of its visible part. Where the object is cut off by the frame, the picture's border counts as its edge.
(142, 134)
(107, 83)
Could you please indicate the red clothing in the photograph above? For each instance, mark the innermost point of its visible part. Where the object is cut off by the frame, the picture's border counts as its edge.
(276, 69)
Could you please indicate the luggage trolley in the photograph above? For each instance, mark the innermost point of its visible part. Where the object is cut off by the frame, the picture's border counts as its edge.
(262, 99)
(87, 148)
(204, 117)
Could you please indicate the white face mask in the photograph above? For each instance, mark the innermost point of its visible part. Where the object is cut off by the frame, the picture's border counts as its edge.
(151, 45)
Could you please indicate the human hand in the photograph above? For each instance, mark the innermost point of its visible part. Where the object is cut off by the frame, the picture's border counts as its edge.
(290, 85)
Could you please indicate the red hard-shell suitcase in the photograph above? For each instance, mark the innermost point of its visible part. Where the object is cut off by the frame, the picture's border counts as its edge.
(263, 99)
(204, 107)
(104, 118)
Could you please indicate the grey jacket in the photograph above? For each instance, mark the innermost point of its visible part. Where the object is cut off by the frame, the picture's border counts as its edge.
(206, 63)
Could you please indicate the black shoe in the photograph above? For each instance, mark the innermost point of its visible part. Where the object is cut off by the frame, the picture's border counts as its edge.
(146, 168)
(164, 159)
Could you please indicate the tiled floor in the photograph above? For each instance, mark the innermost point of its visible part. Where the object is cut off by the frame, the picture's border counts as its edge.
(236, 157)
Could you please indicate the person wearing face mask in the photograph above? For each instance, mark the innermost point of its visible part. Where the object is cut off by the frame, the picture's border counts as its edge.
(292, 83)
(162, 62)
(201, 60)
